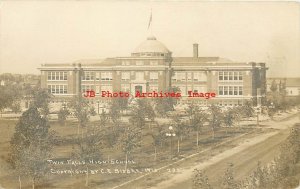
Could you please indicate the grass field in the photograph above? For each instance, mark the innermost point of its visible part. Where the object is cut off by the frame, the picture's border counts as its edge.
(143, 157)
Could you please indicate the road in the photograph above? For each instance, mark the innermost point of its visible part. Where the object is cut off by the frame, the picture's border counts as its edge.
(261, 148)
(244, 155)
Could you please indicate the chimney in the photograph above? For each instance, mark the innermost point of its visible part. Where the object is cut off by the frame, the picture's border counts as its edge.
(195, 50)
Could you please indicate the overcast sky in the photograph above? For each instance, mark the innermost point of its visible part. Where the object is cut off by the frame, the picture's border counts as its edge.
(35, 32)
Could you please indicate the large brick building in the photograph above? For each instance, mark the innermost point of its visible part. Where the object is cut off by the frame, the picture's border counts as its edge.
(151, 67)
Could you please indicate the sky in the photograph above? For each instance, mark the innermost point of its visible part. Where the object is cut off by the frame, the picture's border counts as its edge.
(37, 32)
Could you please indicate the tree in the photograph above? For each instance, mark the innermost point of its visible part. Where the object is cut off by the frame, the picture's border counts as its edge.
(163, 105)
(158, 138)
(41, 99)
(31, 145)
(103, 119)
(200, 180)
(62, 116)
(6, 97)
(130, 140)
(89, 147)
(215, 119)
(247, 109)
(92, 111)
(140, 112)
(80, 108)
(180, 129)
(230, 117)
(197, 118)
(273, 87)
(16, 106)
(115, 112)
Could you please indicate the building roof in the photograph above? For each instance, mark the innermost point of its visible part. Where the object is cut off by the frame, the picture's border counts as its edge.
(292, 82)
(151, 45)
(201, 59)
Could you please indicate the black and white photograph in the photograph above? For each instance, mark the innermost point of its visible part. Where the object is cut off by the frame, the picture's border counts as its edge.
(182, 94)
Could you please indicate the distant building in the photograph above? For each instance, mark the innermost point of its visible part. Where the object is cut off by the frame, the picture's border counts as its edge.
(151, 67)
(291, 85)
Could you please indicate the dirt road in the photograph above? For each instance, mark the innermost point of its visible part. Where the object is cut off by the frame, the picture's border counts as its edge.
(244, 157)
(244, 154)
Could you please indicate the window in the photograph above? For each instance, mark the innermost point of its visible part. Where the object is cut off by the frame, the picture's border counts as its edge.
(221, 90)
(225, 90)
(235, 90)
(200, 76)
(153, 88)
(97, 76)
(230, 76)
(220, 75)
(240, 90)
(106, 76)
(153, 63)
(240, 75)
(57, 89)
(230, 90)
(189, 88)
(57, 76)
(153, 76)
(189, 76)
(97, 89)
(88, 76)
(235, 75)
(139, 63)
(139, 76)
(125, 88)
(125, 63)
(225, 76)
(199, 89)
(125, 76)
(106, 88)
(85, 88)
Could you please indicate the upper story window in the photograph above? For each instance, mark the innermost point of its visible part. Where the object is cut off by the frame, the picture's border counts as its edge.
(153, 76)
(139, 76)
(57, 76)
(179, 76)
(139, 63)
(98, 76)
(230, 76)
(125, 63)
(106, 76)
(88, 76)
(153, 63)
(189, 76)
(200, 76)
(125, 76)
